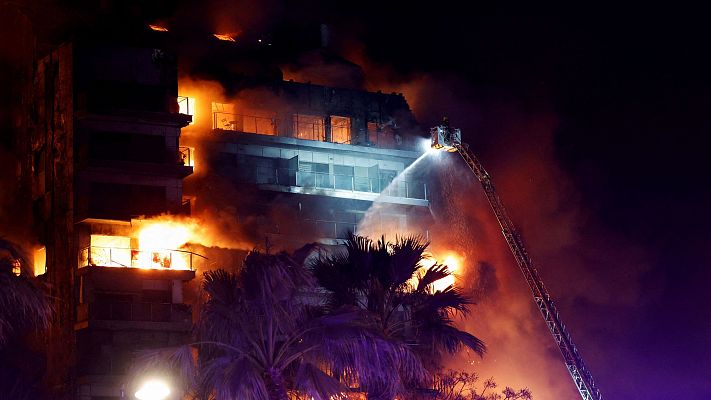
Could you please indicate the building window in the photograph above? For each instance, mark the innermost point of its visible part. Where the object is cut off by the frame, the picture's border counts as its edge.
(340, 129)
(310, 127)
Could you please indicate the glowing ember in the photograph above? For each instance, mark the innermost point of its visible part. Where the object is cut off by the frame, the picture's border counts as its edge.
(158, 28)
(225, 37)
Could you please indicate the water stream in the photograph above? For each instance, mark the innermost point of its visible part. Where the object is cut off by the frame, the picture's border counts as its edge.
(371, 224)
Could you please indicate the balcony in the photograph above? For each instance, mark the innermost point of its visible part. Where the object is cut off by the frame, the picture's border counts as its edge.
(245, 123)
(309, 127)
(153, 259)
(127, 311)
(137, 315)
(335, 183)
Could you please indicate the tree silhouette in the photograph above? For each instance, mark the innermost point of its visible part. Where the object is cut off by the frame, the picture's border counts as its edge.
(383, 279)
(263, 334)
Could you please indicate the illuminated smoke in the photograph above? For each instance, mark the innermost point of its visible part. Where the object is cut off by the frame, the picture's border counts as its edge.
(237, 213)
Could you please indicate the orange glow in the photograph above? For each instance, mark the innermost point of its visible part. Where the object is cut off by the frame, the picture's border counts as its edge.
(110, 251)
(451, 260)
(186, 105)
(159, 243)
(187, 156)
(454, 264)
(158, 28)
(225, 37)
(40, 261)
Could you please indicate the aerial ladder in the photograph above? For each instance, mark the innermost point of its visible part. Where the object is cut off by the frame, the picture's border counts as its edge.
(449, 139)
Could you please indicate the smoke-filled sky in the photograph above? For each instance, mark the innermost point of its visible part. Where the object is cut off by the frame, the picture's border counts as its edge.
(591, 119)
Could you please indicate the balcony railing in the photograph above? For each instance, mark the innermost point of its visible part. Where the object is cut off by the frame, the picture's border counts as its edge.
(128, 311)
(244, 123)
(308, 130)
(162, 259)
(322, 180)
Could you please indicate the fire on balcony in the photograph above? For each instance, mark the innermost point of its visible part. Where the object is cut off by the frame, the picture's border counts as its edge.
(156, 245)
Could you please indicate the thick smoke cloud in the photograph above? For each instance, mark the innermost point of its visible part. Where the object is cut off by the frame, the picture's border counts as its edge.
(515, 138)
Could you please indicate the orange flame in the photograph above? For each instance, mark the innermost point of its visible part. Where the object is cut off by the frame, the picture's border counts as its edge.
(224, 36)
(453, 263)
(158, 28)
(160, 243)
(451, 260)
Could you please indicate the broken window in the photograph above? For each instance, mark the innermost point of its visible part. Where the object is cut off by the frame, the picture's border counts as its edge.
(340, 129)
(310, 127)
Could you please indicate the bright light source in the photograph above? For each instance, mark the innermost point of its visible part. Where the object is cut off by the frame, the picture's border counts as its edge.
(153, 390)
(453, 263)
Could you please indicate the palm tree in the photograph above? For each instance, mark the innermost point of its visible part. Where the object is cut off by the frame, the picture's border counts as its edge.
(378, 277)
(23, 308)
(23, 305)
(262, 334)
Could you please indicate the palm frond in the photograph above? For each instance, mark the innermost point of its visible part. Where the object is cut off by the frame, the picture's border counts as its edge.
(23, 304)
(233, 377)
(432, 275)
(321, 386)
(450, 299)
(444, 337)
(407, 252)
(178, 363)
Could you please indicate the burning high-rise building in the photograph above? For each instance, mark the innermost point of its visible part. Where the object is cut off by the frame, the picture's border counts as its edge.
(311, 159)
(280, 163)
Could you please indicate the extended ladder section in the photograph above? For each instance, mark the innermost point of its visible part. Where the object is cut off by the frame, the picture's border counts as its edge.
(573, 361)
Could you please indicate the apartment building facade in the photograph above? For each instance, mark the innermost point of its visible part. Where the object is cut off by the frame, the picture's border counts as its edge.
(100, 133)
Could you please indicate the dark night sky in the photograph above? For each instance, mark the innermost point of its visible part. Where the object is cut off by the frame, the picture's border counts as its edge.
(630, 89)
(630, 92)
